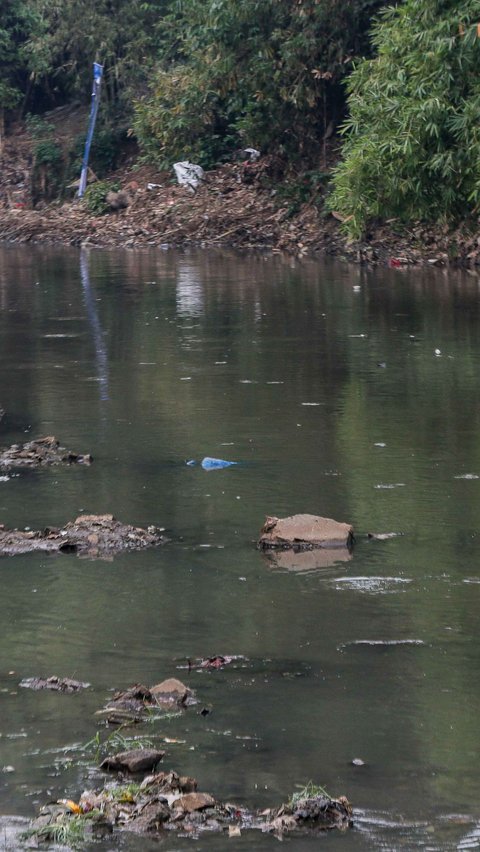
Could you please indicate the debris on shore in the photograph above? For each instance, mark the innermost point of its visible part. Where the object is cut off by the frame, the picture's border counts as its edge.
(92, 536)
(166, 801)
(138, 702)
(41, 452)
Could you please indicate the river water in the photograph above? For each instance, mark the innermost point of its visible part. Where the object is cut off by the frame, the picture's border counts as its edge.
(342, 392)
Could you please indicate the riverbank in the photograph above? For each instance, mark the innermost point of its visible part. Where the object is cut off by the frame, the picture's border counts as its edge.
(240, 205)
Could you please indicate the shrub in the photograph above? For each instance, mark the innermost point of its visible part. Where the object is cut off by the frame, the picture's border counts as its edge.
(412, 149)
(95, 195)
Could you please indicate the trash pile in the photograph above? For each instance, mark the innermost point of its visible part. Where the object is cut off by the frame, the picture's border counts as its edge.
(42, 451)
(166, 801)
(93, 536)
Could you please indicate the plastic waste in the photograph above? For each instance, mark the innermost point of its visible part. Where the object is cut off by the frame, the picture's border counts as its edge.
(253, 154)
(188, 174)
(213, 464)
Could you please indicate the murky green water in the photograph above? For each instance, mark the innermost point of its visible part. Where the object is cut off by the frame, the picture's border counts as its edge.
(323, 382)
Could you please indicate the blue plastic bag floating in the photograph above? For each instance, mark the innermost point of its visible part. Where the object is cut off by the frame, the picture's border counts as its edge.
(215, 464)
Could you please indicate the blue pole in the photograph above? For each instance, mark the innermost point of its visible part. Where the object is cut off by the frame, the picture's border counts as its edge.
(97, 79)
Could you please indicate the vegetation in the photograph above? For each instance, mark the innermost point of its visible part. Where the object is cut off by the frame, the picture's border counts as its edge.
(199, 79)
(96, 194)
(262, 73)
(114, 742)
(307, 791)
(413, 138)
(69, 830)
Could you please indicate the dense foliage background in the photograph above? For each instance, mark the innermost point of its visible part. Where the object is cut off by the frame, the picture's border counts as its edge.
(199, 79)
(413, 134)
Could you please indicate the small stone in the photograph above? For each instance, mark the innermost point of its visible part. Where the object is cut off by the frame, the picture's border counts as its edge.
(170, 690)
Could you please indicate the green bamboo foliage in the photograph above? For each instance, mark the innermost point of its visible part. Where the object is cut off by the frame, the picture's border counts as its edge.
(412, 149)
(266, 73)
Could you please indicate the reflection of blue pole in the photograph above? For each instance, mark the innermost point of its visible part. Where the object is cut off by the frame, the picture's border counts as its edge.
(97, 79)
(101, 355)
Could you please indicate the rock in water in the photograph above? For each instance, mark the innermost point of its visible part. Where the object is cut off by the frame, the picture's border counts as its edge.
(304, 532)
(135, 760)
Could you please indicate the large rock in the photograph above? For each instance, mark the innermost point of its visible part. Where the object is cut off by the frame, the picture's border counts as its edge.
(304, 532)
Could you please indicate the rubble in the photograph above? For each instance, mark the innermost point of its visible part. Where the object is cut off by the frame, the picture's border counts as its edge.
(58, 684)
(138, 702)
(93, 536)
(41, 452)
(166, 802)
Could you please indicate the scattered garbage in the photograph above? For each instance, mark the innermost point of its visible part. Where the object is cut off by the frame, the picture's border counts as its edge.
(189, 174)
(209, 463)
(215, 464)
(253, 154)
(357, 761)
(383, 536)
(216, 662)
(304, 532)
(42, 451)
(58, 684)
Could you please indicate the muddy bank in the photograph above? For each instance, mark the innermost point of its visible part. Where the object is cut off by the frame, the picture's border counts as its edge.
(242, 205)
(91, 536)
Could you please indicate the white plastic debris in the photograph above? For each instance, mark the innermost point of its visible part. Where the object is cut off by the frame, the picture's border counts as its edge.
(253, 154)
(188, 174)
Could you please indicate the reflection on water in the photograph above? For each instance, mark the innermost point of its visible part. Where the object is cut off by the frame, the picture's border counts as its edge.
(150, 359)
(101, 358)
(307, 560)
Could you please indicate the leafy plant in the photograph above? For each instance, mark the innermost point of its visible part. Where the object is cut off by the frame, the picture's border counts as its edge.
(412, 147)
(308, 791)
(95, 196)
(67, 830)
(114, 742)
(265, 73)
